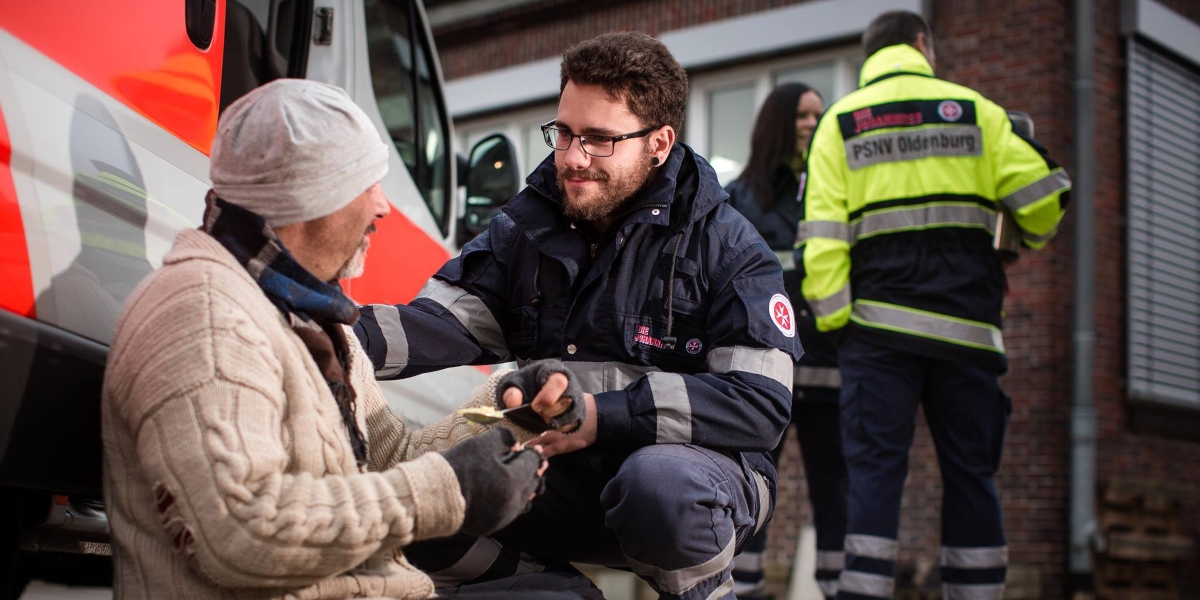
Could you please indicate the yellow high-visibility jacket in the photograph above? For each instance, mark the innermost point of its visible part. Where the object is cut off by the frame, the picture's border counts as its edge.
(906, 176)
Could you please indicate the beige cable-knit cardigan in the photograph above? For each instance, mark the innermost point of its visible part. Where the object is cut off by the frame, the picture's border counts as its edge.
(228, 472)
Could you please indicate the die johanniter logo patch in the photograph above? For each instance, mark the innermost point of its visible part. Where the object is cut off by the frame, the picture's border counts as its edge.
(645, 338)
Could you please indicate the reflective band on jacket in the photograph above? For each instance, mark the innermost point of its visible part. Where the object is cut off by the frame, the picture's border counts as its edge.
(926, 216)
(822, 377)
(867, 584)
(471, 312)
(975, 558)
(871, 546)
(961, 591)
(597, 377)
(786, 259)
(958, 140)
(1056, 181)
(771, 363)
(677, 581)
(823, 229)
(672, 408)
(930, 325)
(830, 560)
(908, 218)
(830, 305)
(396, 358)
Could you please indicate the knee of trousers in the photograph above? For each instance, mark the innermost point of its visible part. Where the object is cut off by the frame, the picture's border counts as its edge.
(665, 499)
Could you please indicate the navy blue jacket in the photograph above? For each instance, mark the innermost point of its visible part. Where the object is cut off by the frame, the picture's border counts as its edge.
(537, 285)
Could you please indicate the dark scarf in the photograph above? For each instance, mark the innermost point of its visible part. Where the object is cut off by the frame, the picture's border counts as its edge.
(316, 309)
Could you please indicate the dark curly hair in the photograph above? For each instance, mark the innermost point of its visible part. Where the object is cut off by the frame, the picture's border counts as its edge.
(633, 66)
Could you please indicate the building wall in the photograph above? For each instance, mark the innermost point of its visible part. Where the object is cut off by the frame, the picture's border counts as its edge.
(1020, 54)
(1168, 464)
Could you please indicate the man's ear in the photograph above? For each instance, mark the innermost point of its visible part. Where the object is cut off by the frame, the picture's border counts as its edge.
(661, 142)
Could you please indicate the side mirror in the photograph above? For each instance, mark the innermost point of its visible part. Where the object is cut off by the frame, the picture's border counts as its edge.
(491, 179)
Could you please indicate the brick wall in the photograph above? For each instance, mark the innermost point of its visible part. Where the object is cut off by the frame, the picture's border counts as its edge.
(1018, 53)
(1172, 464)
(546, 29)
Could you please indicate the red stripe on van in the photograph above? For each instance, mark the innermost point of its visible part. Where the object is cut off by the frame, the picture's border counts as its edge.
(401, 259)
(137, 52)
(16, 282)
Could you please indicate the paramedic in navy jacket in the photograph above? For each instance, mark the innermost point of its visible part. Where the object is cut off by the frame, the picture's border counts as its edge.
(623, 259)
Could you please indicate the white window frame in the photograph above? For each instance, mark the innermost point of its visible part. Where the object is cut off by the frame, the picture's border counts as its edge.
(762, 75)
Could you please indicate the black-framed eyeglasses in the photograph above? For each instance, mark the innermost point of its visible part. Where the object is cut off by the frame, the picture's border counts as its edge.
(599, 146)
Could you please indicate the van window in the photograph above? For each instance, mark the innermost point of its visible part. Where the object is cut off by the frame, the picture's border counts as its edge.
(405, 82)
(252, 58)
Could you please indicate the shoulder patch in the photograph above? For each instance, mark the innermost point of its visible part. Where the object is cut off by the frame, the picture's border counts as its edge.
(782, 315)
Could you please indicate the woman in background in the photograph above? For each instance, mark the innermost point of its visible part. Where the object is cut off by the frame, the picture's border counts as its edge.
(768, 193)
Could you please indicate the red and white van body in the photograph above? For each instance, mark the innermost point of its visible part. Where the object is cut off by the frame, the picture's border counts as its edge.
(107, 113)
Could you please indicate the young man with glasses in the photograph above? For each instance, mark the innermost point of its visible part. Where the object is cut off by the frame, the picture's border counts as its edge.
(622, 259)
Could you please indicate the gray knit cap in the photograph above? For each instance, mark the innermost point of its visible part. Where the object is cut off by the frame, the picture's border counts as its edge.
(295, 150)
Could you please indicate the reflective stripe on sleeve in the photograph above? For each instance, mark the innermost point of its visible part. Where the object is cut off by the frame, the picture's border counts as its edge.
(975, 558)
(597, 377)
(672, 408)
(871, 546)
(923, 217)
(471, 312)
(830, 560)
(822, 377)
(867, 584)
(822, 229)
(972, 334)
(786, 259)
(960, 591)
(677, 581)
(1057, 181)
(388, 319)
(832, 303)
(772, 363)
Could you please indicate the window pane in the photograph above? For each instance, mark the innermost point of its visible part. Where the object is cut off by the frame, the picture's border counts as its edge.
(818, 76)
(730, 120)
(535, 150)
(414, 121)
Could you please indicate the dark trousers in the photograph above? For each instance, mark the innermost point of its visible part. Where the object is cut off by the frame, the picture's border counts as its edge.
(675, 514)
(967, 416)
(815, 416)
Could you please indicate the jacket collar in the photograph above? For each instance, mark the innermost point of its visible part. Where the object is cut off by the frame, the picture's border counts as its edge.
(900, 59)
(684, 190)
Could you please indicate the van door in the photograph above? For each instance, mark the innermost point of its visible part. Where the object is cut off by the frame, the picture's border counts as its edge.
(382, 53)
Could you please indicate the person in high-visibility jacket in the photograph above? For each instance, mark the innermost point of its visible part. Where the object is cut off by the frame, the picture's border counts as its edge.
(906, 177)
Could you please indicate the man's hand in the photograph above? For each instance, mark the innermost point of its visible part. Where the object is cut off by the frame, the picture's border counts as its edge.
(498, 479)
(554, 395)
(556, 442)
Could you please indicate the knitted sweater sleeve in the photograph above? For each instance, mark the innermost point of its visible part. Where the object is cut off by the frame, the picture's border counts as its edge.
(202, 394)
(391, 442)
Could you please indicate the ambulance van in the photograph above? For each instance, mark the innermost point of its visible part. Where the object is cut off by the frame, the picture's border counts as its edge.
(107, 112)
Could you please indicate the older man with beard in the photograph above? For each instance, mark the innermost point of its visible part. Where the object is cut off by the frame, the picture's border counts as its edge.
(248, 450)
(622, 259)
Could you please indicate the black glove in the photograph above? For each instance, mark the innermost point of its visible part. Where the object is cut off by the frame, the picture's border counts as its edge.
(496, 482)
(530, 379)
